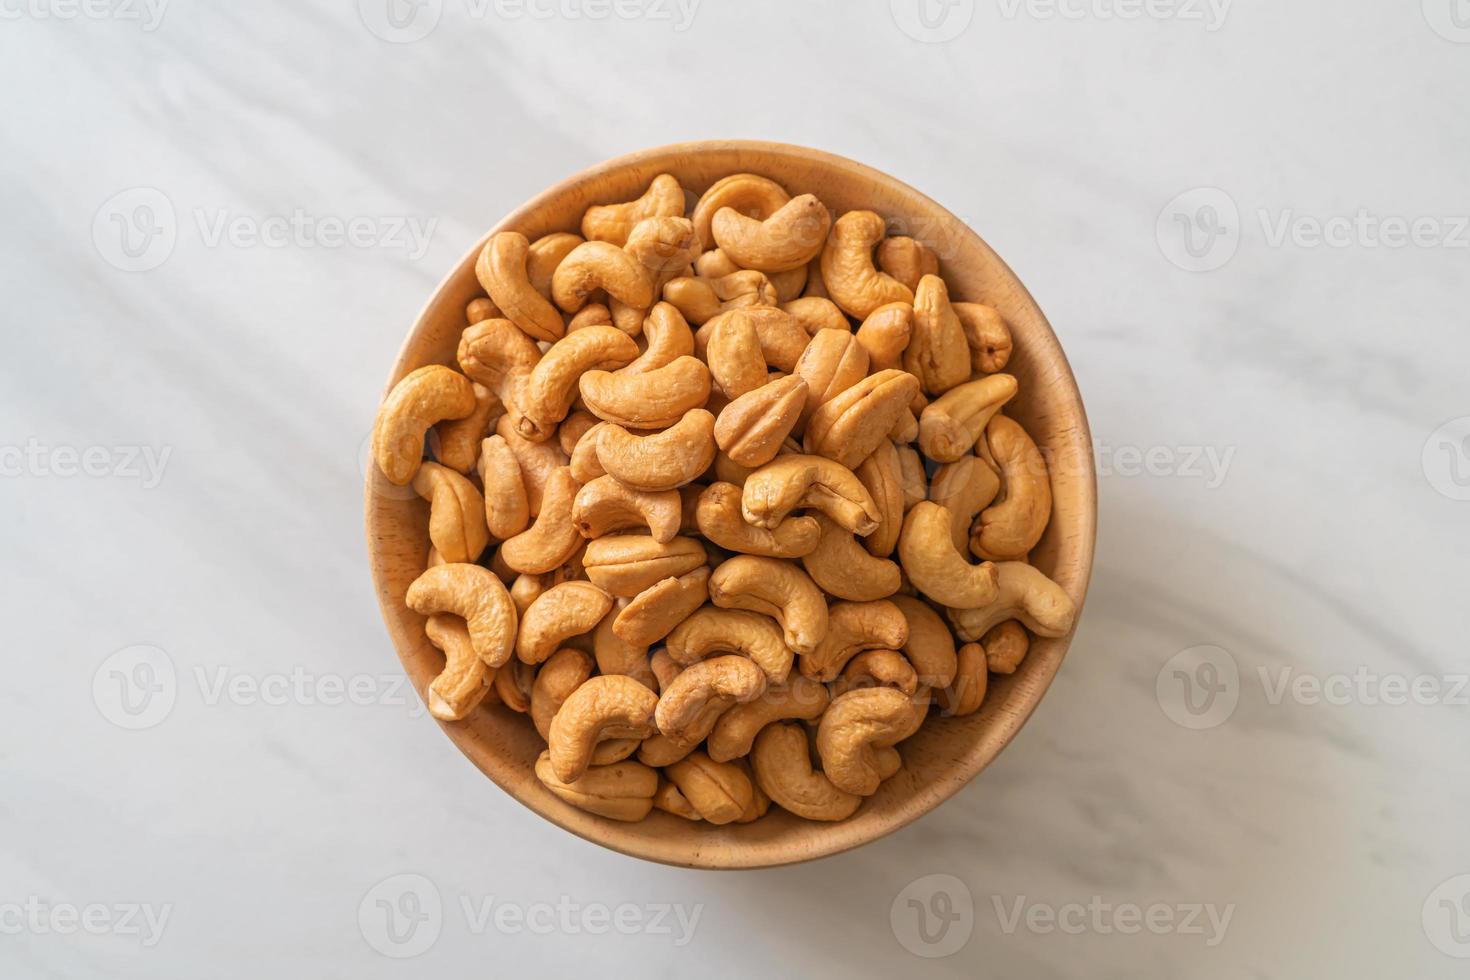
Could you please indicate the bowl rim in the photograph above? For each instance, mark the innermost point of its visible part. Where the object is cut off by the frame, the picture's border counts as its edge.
(1005, 726)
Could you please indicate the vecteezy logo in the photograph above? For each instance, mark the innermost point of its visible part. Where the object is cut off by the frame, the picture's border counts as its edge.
(1446, 459)
(400, 21)
(136, 230)
(1199, 688)
(1199, 230)
(1446, 917)
(136, 687)
(933, 916)
(932, 21)
(401, 916)
(1449, 18)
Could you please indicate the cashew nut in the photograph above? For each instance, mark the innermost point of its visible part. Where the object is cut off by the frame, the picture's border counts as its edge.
(614, 222)
(551, 387)
(1011, 527)
(752, 428)
(465, 679)
(655, 399)
(668, 337)
(591, 315)
(749, 194)
(832, 363)
(1023, 593)
(788, 239)
(662, 606)
(929, 558)
(789, 482)
(621, 791)
(736, 729)
(513, 684)
(670, 800)
(988, 336)
(971, 679)
(538, 461)
(544, 255)
(847, 267)
(607, 505)
(456, 513)
(915, 481)
(907, 260)
(507, 508)
(930, 646)
(558, 614)
(595, 265)
(663, 460)
(952, 424)
(501, 269)
(853, 627)
(562, 673)
(701, 300)
(938, 354)
(849, 427)
(552, 539)
(856, 726)
(964, 488)
(843, 568)
(617, 656)
(733, 351)
(782, 337)
(885, 334)
(788, 284)
(571, 430)
(1005, 647)
(782, 763)
(525, 590)
(456, 442)
(817, 313)
(475, 595)
(422, 398)
(882, 476)
(604, 707)
(776, 588)
(720, 792)
(877, 668)
(689, 707)
(626, 564)
(481, 308)
(720, 519)
(711, 630)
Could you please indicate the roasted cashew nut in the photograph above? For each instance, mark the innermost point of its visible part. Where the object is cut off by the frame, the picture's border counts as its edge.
(938, 354)
(656, 399)
(421, 399)
(562, 673)
(951, 425)
(733, 352)
(790, 482)
(929, 558)
(670, 800)
(776, 588)
(538, 461)
(853, 627)
(507, 508)
(481, 308)
(1005, 647)
(964, 488)
(1011, 527)
(513, 684)
(751, 429)
(605, 707)
(832, 362)
(1024, 593)
(877, 668)
(501, 269)
(848, 274)
(558, 614)
(817, 313)
(907, 260)
(720, 520)
(626, 564)
(552, 539)
(654, 613)
(988, 336)
(662, 460)
(712, 630)
(618, 656)
(456, 442)
(788, 239)
(475, 595)
(572, 428)
(668, 337)
(595, 265)
(606, 505)
(551, 387)
(622, 791)
(614, 222)
(842, 567)
(782, 337)
(735, 732)
(465, 679)
(883, 477)
(456, 513)
(788, 285)
(782, 763)
(720, 792)
(749, 194)
(885, 334)
(850, 426)
(857, 726)
(544, 255)
(930, 646)
(915, 480)
(700, 300)
(689, 707)
(971, 679)
(498, 355)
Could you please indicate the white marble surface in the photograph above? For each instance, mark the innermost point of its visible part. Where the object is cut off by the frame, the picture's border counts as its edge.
(1330, 833)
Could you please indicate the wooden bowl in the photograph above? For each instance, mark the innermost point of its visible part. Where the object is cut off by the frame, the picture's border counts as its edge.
(947, 752)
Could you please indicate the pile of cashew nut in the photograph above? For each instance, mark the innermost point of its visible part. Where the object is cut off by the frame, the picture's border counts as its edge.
(725, 501)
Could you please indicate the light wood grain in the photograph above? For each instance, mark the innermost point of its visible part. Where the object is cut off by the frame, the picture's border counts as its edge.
(947, 752)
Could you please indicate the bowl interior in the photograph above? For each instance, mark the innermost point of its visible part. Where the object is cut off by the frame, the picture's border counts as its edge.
(947, 752)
